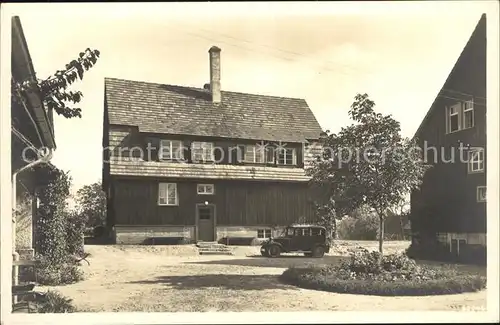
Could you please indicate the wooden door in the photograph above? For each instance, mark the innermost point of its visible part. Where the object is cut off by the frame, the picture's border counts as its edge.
(205, 215)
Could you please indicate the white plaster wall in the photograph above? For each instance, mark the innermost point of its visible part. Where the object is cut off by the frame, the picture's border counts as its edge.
(137, 234)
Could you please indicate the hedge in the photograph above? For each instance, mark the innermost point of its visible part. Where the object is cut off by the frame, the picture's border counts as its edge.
(370, 273)
(309, 278)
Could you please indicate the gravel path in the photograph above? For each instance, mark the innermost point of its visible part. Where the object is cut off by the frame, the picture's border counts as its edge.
(150, 279)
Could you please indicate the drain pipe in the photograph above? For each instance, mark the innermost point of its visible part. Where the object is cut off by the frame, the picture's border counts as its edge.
(15, 255)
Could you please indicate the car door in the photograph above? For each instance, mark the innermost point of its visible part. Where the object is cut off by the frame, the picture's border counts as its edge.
(296, 240)
(308, 239)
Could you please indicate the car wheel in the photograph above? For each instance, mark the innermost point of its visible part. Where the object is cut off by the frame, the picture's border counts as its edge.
(318, 251)
(307, 254)
(274, 251)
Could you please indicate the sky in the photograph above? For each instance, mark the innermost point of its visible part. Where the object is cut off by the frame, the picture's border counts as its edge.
(399, 54)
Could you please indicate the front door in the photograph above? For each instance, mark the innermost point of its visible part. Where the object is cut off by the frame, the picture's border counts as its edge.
(205, 215)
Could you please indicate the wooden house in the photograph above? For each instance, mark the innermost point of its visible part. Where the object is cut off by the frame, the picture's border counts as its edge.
(450, 207)
(204, 163)
(32, 129)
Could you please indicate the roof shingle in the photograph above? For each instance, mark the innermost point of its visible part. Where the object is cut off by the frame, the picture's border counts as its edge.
(169, 109)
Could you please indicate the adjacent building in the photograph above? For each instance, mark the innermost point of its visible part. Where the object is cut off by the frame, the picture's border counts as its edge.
(32, 129)
(450, 207)
(203, 163)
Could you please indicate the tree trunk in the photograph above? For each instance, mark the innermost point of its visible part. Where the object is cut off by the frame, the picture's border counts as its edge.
(334, 229)
(381, 235)
(401, 223)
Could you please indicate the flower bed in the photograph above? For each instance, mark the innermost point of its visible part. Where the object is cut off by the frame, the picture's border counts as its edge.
(370, 273)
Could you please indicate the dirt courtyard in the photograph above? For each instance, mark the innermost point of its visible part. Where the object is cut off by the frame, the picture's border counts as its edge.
(176, 279)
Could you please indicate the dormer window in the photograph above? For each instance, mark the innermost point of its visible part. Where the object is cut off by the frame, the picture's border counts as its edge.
(287, 156)
(171, 150)
(202, 151)
(258, 154)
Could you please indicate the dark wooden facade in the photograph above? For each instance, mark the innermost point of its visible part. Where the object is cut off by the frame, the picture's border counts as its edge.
(134, 201)
(248, 197)
(447, 201)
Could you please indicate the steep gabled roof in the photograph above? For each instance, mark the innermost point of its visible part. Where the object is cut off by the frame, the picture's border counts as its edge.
(22, 64)
(479, 32)
(169, 109)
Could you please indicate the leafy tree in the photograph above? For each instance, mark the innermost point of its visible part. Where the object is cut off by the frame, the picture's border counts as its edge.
(361, 224)
(397, 218)
(332, 184)
(55, 249)
(91, 201)
(54, 90)
(369, 163)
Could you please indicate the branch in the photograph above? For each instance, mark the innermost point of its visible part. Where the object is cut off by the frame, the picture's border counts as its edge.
(63, 78)
(53, 89)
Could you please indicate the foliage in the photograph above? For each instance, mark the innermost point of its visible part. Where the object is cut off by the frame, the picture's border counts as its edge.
(51, 221)
(361, 224)
(371, 273)
(66, 272)
(54, 302)
(368, 163)
(365, 263)
(397, 218)
(91, 201)
(331, 184)
(54, 90)
(57, 231)
(75, 226)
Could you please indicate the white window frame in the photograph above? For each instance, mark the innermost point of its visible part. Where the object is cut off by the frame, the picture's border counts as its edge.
(293, 153)
(259, 154)
(265, 231)
(471, 161)
(458, 107)
(163, 190)
(170, 145)
(202, 189)
(468, 106)
(478, 189)
(252, 151)
(207, 154)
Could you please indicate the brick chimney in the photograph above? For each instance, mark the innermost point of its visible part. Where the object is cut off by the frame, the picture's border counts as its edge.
(215, 73)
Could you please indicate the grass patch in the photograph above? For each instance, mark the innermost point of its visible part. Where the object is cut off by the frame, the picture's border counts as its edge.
(369, 273)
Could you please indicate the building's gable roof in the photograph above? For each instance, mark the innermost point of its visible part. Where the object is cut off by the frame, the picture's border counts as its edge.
(168, 109)
(479, 31)
(21, 61)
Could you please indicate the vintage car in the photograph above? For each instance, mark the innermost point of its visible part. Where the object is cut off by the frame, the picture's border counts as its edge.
(308, 239)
